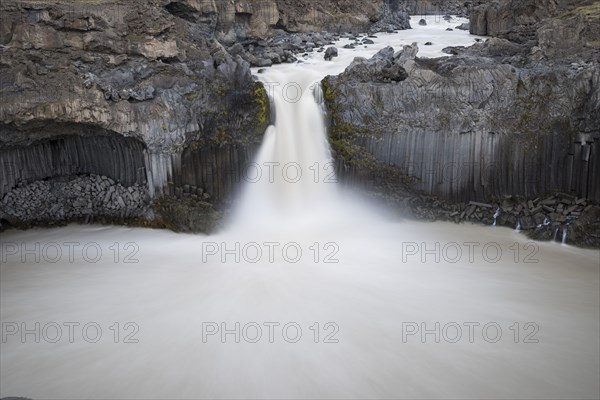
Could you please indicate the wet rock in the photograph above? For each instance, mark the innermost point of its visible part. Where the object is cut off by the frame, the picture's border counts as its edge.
(380, 68)
(483, 205)
(585, 231)
(330, 53)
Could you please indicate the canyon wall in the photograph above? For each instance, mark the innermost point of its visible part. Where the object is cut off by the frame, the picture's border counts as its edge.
(495, 130)
(153, 96)
(469, 128)
(120, 91)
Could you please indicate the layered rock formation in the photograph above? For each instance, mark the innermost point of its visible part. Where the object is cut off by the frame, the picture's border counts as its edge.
(502, 119)
(120, 90)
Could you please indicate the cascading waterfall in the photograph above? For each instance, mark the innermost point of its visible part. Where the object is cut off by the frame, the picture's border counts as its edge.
(293, 171)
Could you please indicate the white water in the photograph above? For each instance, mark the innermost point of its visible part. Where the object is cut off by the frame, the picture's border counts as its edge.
(377, 285)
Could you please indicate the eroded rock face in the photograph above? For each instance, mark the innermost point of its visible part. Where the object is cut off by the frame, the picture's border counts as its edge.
(499, 16)
(468, 128)
(560, 27)
(505, 118)
(139, 71)
(326, 15)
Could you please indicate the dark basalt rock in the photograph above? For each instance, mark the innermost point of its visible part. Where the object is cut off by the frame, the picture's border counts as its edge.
(330, 53)
(381, 68)
(123, 105)
(455, 125)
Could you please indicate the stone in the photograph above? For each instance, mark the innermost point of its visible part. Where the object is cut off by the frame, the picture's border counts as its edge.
(330, 53)
(483, 205)
(470, 211)
(539, 218)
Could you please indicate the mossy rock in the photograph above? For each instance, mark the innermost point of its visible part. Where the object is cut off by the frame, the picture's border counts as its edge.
(185, 215)
(261, 98)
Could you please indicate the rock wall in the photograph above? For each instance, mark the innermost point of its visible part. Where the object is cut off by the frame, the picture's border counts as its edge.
(114, 156)
(519, 20)
(118, 89)
(500, 16)
(437, 7)
(214, 173)
(469, 128)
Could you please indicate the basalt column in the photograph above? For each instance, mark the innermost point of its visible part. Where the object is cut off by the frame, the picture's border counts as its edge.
(72, 177)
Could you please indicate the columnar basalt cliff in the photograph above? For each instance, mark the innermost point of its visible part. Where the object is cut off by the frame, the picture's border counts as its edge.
(119, 90)
(500, 120)
(152, 97)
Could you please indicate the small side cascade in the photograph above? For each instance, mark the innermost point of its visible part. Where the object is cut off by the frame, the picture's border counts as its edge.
(555, 231)
(565, 234)
(545, 223)
(496, 215)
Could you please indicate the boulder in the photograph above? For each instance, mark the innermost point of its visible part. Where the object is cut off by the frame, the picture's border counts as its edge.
(330, 53)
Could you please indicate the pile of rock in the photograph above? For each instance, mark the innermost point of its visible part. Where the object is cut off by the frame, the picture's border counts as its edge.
(522, 214)
(287, 48)
(282, 48)
(555, 217)
(72, 198)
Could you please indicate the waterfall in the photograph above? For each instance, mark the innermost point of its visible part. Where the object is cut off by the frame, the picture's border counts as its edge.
(293, 172)
(496, 215)
(555, 233)
(293, 176)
